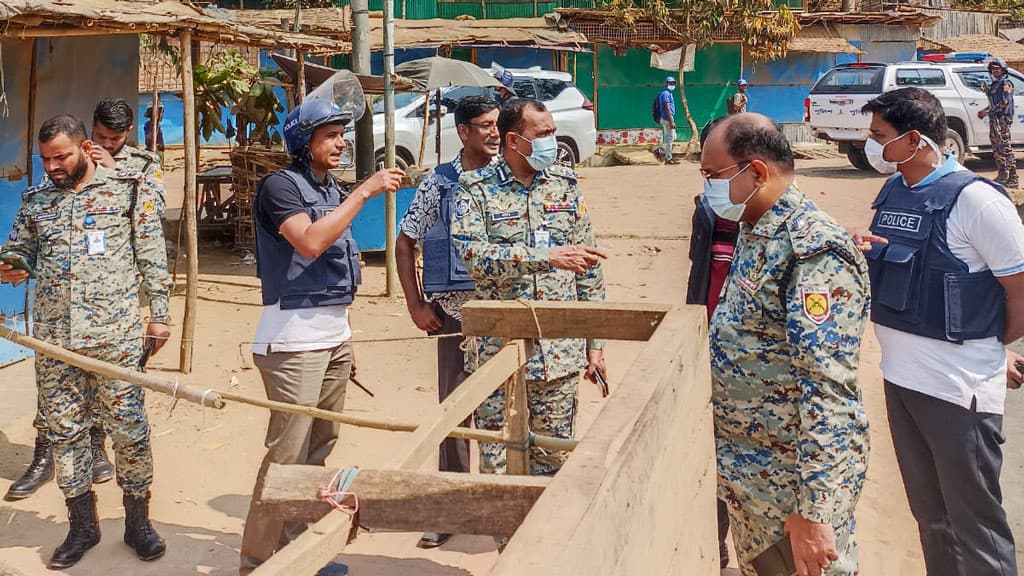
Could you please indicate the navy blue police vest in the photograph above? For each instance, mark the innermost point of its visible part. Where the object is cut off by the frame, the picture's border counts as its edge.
(917, 284)
(443, 269)
(299, 282)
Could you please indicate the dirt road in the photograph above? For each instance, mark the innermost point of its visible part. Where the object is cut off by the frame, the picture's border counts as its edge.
(206, 460)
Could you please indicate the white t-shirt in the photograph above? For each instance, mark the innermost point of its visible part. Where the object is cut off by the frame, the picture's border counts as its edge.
(301, 330)
(985, 232)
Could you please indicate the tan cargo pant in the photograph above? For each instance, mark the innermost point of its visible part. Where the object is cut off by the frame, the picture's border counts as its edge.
(316, 378)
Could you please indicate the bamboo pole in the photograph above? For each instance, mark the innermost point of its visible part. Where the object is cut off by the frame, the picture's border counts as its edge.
(517, 417)
(391, 424)
(390, 200)
(209, 397)
(426, 126)
(191, 236)
(300, 76)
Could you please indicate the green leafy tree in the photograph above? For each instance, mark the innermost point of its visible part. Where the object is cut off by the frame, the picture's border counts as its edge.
(227, 80)
(764, 28)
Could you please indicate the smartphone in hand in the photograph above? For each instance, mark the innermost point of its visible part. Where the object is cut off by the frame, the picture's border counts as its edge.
(17, 262)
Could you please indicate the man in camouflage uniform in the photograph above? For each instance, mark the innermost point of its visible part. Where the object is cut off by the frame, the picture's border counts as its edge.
(790, 428)
(1000, 119)
(112, 123)
(521, 226)
(90, 235)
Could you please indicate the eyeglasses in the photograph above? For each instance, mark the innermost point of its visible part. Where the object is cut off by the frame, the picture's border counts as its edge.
(485, 126)
(709, 174)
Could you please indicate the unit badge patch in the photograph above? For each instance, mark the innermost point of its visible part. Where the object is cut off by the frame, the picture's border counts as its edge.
(816, 303)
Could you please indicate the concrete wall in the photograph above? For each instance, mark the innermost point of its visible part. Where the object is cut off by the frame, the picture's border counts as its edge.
(72, 74)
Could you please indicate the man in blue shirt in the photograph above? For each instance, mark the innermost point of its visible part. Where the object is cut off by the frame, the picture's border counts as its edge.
(667, 107)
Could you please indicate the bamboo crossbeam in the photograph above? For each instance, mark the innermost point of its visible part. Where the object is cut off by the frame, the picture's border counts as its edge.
(210, 397)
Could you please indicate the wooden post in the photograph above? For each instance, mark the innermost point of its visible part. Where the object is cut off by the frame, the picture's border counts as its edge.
(191, 236)
(483, 9)
(517, 417)
(155, 120)
(535, 9)
(597, 109)
(300, 76)
(437, 136)
(426, 126)
(31, 139)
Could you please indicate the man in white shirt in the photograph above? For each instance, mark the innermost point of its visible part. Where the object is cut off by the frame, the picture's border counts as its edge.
(946, 253)
(308, 266)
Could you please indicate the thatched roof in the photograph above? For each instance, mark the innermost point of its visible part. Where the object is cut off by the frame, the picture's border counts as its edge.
(337, 23)
(1009, 51)
(820, 40)
(27, 18)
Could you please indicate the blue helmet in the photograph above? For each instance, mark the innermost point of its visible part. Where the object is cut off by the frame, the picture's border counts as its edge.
(506, 79)
(997, 62)
(307, 117)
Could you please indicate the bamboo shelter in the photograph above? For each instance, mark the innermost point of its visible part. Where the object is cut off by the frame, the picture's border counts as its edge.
(31, 19)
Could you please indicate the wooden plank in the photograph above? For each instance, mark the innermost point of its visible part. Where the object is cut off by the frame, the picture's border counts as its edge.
(312, 550)
(517, 419)
(637, 495)
(445, 502)
(188, 99)
(603, 320)
(470, 393)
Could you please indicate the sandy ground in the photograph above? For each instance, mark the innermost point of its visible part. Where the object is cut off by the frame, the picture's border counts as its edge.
(206, 460)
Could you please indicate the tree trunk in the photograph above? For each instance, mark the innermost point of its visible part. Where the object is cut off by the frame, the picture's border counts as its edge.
(694, 142)
(849, 5)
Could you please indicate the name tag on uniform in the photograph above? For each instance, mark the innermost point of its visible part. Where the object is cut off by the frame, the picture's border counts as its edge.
(106, 210)
(45, 217)
(96, 242)
(559, 207)
(541, 238)
(507, 215)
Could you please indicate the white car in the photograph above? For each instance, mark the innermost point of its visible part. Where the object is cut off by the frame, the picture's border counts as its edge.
(573, 113)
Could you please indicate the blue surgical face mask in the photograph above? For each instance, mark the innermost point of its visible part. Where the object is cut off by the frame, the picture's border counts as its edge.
(716, 191)
(544, 154)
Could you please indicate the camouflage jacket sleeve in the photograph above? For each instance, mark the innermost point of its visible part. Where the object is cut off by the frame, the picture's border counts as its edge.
(826, 308)
(590, 284)
(148, 242)
(23, 239)
(488, 261)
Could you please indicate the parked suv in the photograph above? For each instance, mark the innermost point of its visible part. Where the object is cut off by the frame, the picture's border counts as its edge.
(833, 107)
(573, 113)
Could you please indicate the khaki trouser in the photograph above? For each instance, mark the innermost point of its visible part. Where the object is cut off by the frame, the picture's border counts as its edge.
(316, 378)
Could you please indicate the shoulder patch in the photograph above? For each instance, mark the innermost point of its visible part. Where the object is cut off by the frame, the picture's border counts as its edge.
(563, 172)
(33, 189)
(476, 176)
(128, 175)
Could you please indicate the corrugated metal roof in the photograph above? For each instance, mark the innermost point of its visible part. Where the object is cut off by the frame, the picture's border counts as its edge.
(60, 17)
(1012, 34)
(1011, 52)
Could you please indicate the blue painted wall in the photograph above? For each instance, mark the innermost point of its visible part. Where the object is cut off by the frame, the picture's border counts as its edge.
(778, 89)
(173, 124)
(887, 52)
(67, 73)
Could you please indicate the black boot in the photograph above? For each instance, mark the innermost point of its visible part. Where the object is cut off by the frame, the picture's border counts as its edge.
(1001, 178)
(39, 472)
(138, 532)
(102, 471)
(83, 534)
(1011, 179)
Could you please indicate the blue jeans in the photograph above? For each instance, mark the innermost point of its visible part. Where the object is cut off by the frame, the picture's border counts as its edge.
(668, 136)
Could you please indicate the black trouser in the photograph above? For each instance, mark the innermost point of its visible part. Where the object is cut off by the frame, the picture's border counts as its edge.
(450, 373)
(950, 458)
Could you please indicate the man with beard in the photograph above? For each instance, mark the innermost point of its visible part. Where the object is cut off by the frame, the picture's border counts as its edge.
(112, 122)
(90, 235)
(446, 283)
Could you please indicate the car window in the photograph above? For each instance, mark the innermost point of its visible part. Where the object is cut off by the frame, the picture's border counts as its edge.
(524, 88)
(450, 98)
(920, 77)
(973, 79)
(851, 80)
(402, 99)
(548, 89)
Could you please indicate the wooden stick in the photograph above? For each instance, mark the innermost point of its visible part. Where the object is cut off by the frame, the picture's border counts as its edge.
(191, 235)
(517, 418)
(300, 75)
(426, 126)
(446, 502)
(469, 394)
(314, 548)
(392, 425)
(210, 397)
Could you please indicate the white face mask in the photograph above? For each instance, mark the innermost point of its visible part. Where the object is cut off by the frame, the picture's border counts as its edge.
(875, 153)
(716, 191)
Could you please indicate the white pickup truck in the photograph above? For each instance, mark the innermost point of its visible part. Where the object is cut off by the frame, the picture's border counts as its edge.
(833, 107)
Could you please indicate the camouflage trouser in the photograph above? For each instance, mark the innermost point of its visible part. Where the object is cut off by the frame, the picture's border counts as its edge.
(552, 406)
(67, 393)
(999, 134)
(39, 422)
(754, 533)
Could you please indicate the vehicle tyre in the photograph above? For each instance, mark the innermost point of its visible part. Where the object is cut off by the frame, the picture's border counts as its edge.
(859, 160)
(954, 145)
(566, 154)
(400, 159)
